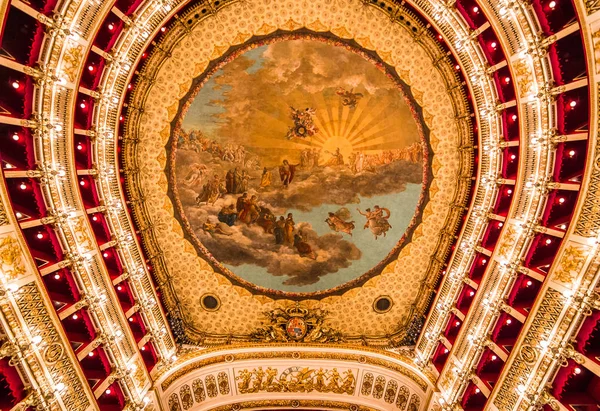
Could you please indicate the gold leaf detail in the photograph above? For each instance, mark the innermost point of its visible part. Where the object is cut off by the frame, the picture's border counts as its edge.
(342, 32)
(265, 29)
(317, 26)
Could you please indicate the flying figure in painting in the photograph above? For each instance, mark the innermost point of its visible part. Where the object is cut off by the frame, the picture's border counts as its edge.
(336, 221)
(377, 222)
(304, 125)
(349, 98)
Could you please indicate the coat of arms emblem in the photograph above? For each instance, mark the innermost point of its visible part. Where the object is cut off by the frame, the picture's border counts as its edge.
(298, 325)
(296, 328)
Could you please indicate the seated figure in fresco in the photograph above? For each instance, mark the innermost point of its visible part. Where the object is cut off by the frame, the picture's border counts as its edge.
(266, 220)
(304, 249)
(250, 211)
(337, 158)
(228, 215)
(265, 179)
(211, 191)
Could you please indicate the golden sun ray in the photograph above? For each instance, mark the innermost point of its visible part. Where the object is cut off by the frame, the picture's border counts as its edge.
(364, 117)
(377, 121)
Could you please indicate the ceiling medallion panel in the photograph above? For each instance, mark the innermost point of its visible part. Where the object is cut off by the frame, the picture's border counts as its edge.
(205, 49)
(298, 164)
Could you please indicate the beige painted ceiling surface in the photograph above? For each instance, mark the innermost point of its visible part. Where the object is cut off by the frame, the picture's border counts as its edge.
(241, 310)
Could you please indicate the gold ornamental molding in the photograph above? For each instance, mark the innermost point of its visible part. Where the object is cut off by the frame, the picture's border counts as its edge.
(247, 373)
(33, 338)
(300, 404)
(196, 359)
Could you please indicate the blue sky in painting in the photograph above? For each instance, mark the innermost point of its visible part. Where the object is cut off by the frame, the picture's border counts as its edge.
(201, 113)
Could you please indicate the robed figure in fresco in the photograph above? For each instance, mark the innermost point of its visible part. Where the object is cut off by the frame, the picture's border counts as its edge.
(286, 173)
(265, 179)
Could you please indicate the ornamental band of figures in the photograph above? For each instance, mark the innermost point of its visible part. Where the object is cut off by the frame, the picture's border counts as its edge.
(296, 380)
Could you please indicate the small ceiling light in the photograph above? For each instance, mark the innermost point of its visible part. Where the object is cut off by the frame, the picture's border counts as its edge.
(507, 80)
(129, 86)
(57, 276)
(548, 241)
(577, 370)
(40, 236)
(494, 358)
(19, 215)
(79, 147)
(561, 200)
(514, 117)
(475, 9)
(472, 293)
(15, 137)
(108, 391)
(508, 322)
(16, 84)
(120, 118)
(500, 224)
(111, 26)
(91, 68)
(8, 166)
(82, 182)
(509, 191)
(456, 324)
(494, 45)
(483, 261)
(552, 4)
(130, 319)
(144, 348)
(529, 283)
(477, 391)
(163, 29)
(91, 354)
(572, 104)
(512, 157)
(23, 186)
(563, 226)
(95, 218)
(75, 316)
(571, 153)
(105, 255)
(119, 288)
(82, 105)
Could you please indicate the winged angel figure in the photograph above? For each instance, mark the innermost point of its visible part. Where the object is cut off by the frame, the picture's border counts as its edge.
(304, 125)
(349, 98)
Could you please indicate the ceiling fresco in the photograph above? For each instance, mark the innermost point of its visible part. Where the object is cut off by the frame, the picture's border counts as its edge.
(238, 77)
(299, 163)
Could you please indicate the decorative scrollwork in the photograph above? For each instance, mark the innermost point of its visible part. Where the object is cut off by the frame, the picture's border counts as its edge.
(296, 324)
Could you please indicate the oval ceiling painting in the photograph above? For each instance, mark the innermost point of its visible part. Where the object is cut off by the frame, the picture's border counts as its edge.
(297, 164)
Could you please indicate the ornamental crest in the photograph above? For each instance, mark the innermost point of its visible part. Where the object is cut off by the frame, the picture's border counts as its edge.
(296, 325)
